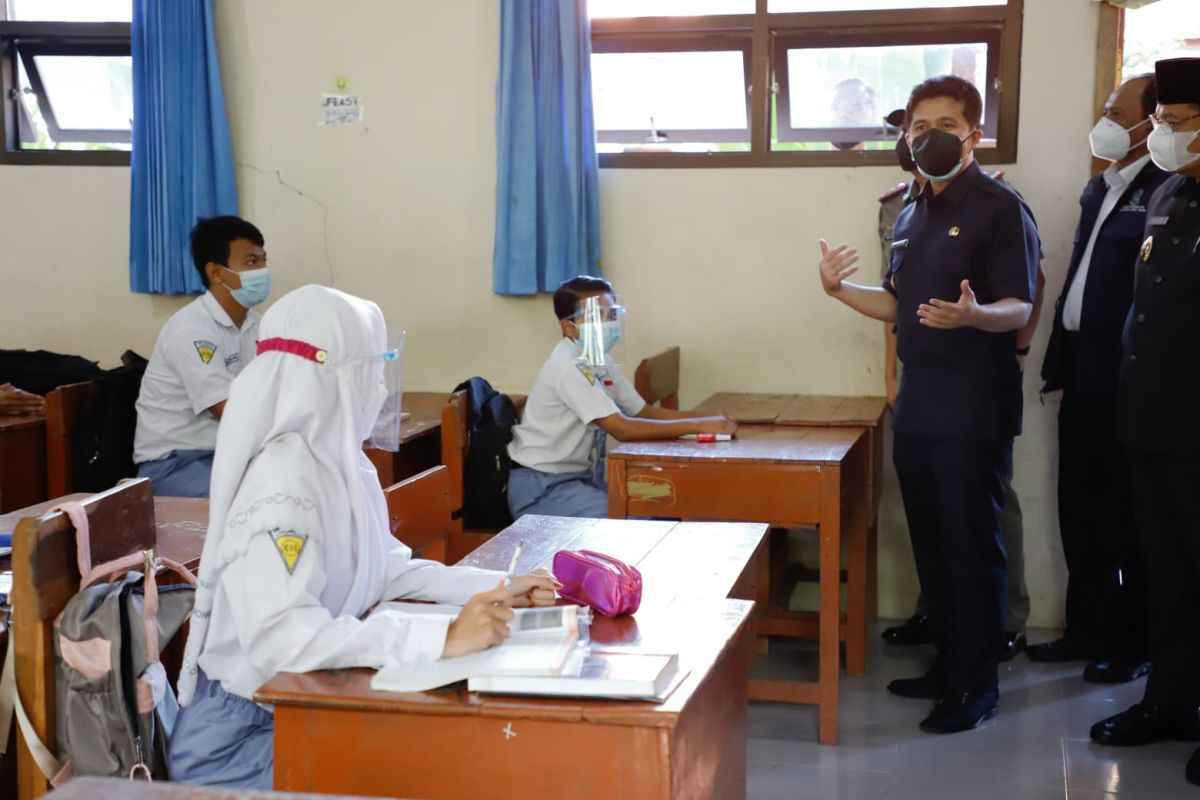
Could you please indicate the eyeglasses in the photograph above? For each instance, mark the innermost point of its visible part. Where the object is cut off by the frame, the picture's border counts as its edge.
(1171, 124)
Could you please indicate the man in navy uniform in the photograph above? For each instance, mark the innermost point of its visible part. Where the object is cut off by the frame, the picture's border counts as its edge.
(959, 286)
(1156, 421)
(1106, 606)
(915, 630)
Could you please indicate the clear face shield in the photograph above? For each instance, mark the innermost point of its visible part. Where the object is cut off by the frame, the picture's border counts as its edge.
(386, 380)
(600, 320)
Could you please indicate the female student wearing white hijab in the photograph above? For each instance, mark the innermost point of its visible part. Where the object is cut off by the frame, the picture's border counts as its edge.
(299, 546)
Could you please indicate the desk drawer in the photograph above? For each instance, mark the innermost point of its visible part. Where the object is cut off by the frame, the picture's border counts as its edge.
(778, 494)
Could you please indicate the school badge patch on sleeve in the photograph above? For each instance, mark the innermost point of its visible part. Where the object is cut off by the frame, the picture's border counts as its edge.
(587, 373)
(205, 349)
(1147, 248)
(290, 545)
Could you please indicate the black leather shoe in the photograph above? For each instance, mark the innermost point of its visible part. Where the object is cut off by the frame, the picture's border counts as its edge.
(1014, 642)
(927, 687)
(1058, 651)
(1117, 670)
(962, 712)
(915, 630)
(1143, 724)
(1192, 773)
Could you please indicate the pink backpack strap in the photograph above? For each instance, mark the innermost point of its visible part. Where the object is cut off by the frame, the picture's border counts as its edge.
(83, 539)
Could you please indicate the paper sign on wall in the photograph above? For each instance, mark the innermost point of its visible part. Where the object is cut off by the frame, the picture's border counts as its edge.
(341, 109)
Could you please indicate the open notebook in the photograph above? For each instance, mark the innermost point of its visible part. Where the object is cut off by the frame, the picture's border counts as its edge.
(540, 644)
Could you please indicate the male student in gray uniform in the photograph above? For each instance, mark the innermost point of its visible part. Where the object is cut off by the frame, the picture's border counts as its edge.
(916, 629)
(199, 351)
(558, 449)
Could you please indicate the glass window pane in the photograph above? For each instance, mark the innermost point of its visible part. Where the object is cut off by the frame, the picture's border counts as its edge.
(599, 9)
(856, 87)
(71, 10)
(788, 6)
(89, 92)
(677, 90)
(1166, 29)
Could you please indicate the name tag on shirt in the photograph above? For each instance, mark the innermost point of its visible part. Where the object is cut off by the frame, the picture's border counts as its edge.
(1158, 220)
(900, 243)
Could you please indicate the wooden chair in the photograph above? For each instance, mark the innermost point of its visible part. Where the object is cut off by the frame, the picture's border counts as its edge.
(64, 406)
(421, 513)
(45, 577)
(657, 379)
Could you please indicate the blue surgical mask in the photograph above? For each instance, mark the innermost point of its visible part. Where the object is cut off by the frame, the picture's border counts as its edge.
(256, 285)
(611, 332)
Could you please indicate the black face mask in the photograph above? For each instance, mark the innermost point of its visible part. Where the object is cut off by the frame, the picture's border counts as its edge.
(904, 154)
(937, 153)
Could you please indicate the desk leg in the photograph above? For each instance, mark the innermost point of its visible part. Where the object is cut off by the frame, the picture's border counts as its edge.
(618, 493)
(830, 613)
(763, 598)
(876, 441)
(857, 580)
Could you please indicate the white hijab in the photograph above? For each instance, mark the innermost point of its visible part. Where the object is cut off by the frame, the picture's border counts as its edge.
(332, 407)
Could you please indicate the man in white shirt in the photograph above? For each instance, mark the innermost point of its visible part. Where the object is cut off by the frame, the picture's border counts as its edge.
(199, 351)
(1106, 592)
(558, 449)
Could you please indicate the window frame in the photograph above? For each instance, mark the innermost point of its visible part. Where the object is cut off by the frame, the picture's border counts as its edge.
(22, 40)
(666, 44)
(772, 32)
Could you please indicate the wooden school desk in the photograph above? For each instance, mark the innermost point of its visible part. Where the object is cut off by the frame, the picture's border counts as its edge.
(822, 411)
(22, 461)
(180, 522)
(121, 789)
(786, 477)
(420, 445)
(333, 734)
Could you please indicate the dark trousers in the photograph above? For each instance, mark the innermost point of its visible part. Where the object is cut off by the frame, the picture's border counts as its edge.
(1165, 488)
(953, 492)
(1106, 585)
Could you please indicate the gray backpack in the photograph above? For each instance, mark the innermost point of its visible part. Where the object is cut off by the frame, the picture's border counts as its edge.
(115, 704)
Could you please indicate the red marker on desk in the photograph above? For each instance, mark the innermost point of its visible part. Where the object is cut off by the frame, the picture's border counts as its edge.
(707, 437)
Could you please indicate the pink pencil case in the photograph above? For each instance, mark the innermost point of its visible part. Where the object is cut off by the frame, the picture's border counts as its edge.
(606, 584)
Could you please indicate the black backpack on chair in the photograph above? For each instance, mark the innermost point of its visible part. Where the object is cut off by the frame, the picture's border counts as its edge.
(490, 420)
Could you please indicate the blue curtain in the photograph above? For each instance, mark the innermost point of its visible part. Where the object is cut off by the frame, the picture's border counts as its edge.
(182, 161)
(547, 194)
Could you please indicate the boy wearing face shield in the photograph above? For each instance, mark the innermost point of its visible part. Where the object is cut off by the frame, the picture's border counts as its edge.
(199, 352)
(1105, 603)
(1156, 420)
(916, 630)
(579, 398)
(960, 285)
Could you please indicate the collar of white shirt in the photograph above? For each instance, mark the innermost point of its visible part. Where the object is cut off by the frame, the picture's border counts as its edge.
(1118, 179)
(219, 316)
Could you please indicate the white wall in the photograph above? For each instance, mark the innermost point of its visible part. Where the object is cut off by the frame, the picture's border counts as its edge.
(400, 209)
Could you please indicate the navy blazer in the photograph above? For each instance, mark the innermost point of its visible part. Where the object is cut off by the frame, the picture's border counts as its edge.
(1092, 362)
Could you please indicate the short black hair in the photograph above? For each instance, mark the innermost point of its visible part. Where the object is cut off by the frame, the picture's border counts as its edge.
(570, 292)
(211, 238)
(951, 86)
(1149, 96)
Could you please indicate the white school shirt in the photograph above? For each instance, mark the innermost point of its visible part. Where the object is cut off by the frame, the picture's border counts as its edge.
(198, 354)
(1118, 181)
(273, 615)
(556, 433)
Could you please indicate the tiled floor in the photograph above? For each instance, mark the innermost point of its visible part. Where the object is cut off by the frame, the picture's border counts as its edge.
(1037, 748)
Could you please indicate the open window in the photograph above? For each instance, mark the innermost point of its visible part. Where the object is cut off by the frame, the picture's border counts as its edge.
(790, 82)
(67, 81)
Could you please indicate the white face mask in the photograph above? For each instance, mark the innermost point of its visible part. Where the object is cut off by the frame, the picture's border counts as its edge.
(1169, 149)
(1110, 141)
